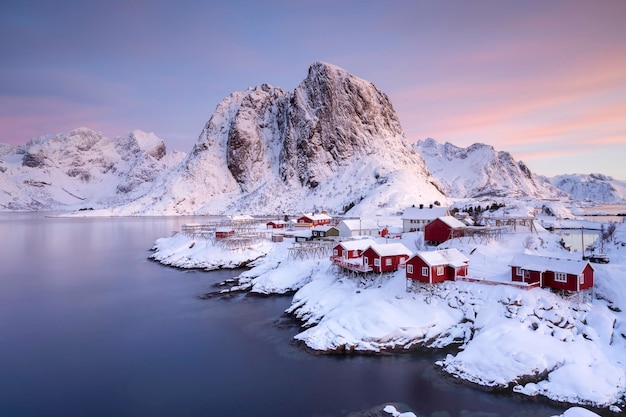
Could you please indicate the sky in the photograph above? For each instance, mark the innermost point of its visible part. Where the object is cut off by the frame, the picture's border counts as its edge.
(543, 80)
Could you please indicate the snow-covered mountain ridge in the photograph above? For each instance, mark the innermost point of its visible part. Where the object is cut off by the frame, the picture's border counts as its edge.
(597, 188)
(81, 169)
(481, 171)
(334, 142)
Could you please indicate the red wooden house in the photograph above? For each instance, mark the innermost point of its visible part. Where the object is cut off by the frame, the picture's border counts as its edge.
(436, 266)
(442, 229)
(224, 232)
(276, 224)
(351, 249)
(312, 220)
(557, 273)
(386, 257)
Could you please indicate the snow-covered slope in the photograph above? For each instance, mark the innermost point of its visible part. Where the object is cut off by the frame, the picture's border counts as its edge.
(81, 169)
(479, 170)
(332, 143)
(596, 188)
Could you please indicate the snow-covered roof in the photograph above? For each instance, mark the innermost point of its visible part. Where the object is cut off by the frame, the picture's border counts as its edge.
(323, 228)
(546, 263)
(390, 249)
(315, 217)
(360, 224)
(452, 221)
(360, 244)
(425, 213)
(450, 257)
(303, 233)
(277, 222)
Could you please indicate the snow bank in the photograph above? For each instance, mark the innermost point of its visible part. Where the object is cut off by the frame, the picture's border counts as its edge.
(183, 251)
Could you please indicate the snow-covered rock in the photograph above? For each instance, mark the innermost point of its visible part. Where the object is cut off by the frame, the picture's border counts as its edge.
(596, 188)
(81, 169)
(334, 142)
(481, 171)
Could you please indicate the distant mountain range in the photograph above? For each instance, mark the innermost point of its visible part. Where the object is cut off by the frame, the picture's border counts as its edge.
(81, 169)
(591, 187)
(333, 143)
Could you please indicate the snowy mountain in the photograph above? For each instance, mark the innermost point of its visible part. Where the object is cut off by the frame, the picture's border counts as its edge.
(596, 188)
(81, 169)
(481, 171)
(333, 143)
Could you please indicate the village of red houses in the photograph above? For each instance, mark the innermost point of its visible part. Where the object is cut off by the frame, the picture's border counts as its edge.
(500, 287)
(354, 251)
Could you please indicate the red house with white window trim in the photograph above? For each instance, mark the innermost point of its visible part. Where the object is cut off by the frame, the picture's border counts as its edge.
(312, 220)
(276, 224)
(557, 273)
(351, 249)
(437, 266)
(385, 257)
(442, 229)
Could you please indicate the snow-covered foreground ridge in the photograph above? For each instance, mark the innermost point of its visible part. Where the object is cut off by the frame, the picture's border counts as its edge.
(535, 342)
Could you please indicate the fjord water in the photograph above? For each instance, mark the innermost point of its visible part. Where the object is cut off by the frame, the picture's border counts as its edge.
(90, 327)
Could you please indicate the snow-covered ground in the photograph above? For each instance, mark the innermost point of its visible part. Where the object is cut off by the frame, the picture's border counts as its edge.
(534, 342)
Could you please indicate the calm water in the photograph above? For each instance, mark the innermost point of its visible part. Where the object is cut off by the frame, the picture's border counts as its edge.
(90, 327)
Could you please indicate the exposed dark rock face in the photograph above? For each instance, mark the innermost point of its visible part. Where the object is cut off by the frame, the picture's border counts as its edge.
(330, 143)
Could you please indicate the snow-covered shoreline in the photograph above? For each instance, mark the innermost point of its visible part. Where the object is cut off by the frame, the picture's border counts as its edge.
(535, 342)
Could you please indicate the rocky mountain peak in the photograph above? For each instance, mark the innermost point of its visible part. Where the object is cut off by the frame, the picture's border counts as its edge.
(329, 143)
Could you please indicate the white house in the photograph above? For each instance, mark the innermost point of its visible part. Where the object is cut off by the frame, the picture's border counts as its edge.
(414, 219)
(358, 227)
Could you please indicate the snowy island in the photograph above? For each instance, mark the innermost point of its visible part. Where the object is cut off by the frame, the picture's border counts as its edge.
(504, 334)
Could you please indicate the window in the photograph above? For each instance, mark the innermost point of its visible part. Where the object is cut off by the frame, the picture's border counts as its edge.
(377, 262)
(335, 252)
(409, 268)
(388, 261)
(355, 253)
(581, 278)
(560, 277)
(518, 271)
(424, 271)
(440, 270)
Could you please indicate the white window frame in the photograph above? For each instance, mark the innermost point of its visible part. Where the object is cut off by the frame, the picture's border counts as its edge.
(581, 278)
(560, 277)
(376, 261)
(388, 262)
(425, 272)
(355, 253)
(518, 271)
(440, 270)
(409, 268)
(335, 252)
